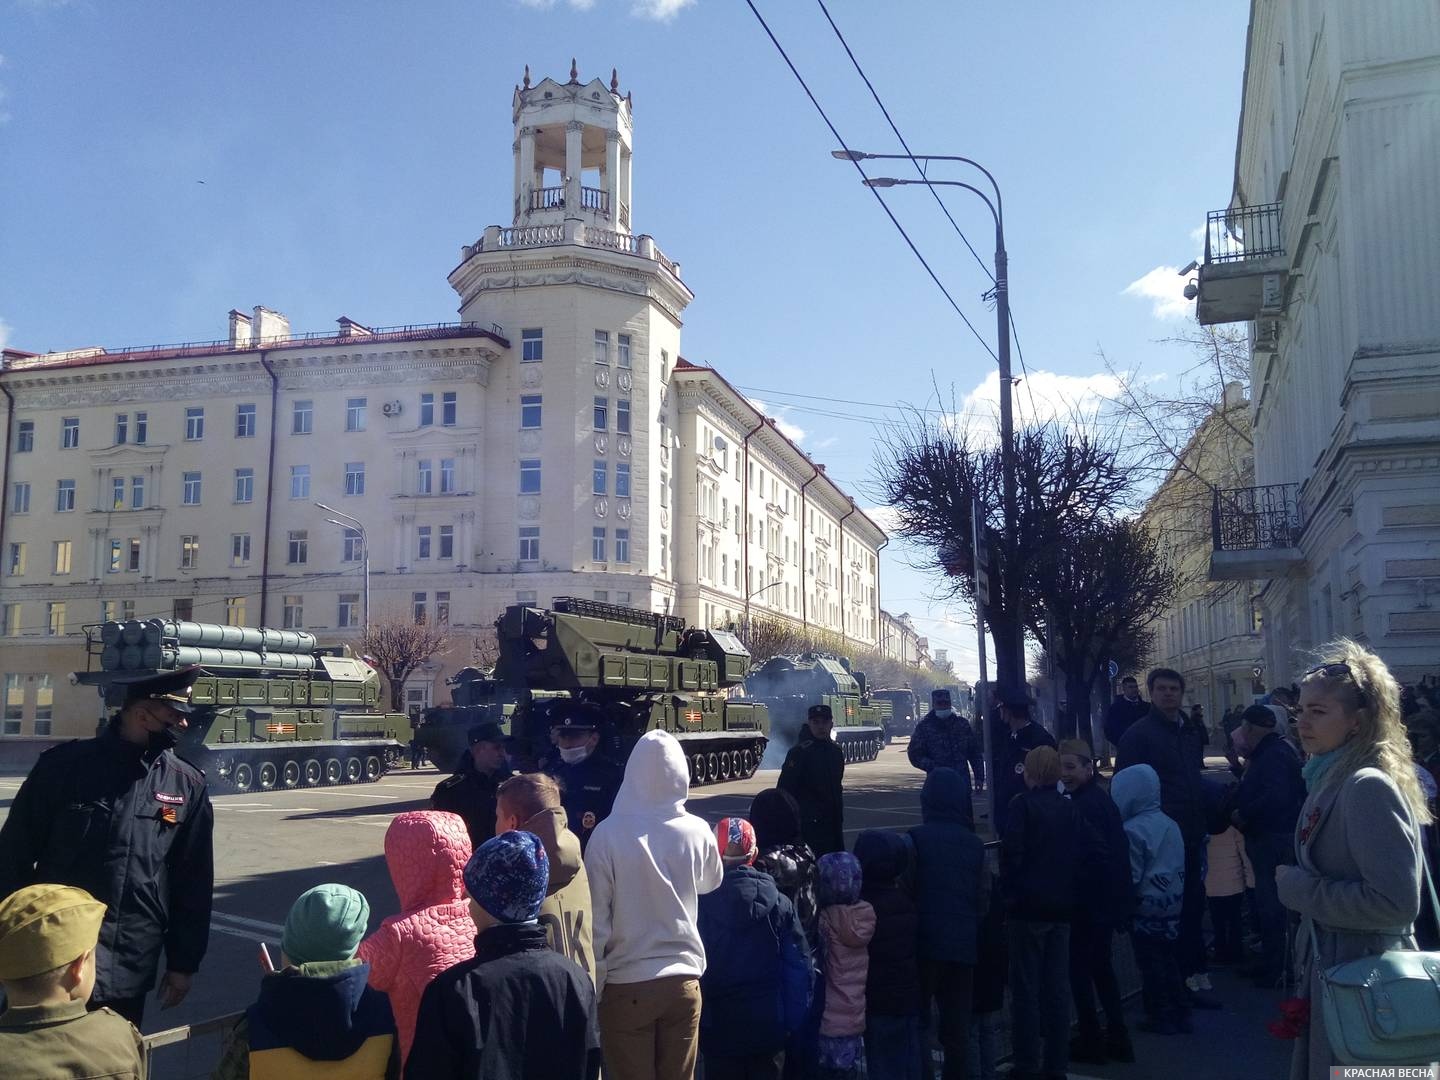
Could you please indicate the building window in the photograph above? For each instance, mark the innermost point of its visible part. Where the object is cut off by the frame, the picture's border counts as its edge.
(530, 411)
(600, 478)
(532, 346)
(348, 612)
(25, 436)
(239, 549)
(529, 476)
(244, 485)
(55, 617)
(15, 561)
(298, 547)
(10, 620)
(449, 408)
(64, 496)
(622, 416)
(623, 598)
(245, 421)
(142, 428)
(117, 556)
(189, 552)
(447, 476)
(134, 563)
(602, 413)
(602, 346)
(664, 554)
(622, 479)
(182, 608)
(353, 546)
(354, 478)
(602, 596)
(525, 596)
(294, 612)
(447, 541)
(664, 490)
(137, 493)
(19, 498)
(63, 549)
(194, 424)
(235, 611)
(417, 608)
(664, 365)
(355, 414)
(299, 481)
(622, 351)
(422, 544)
(622, 545)
(117, 493)
(44, 704)
(424, 477)
(190, 489)
(69, 433)
(597, 544)
(529, 543)
(427, 410)
(14, 704)
(442, 608)
(302, 418)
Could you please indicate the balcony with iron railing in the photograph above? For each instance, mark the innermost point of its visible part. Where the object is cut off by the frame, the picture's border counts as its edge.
(592, 200)
(1256, 532)
(1244, 273)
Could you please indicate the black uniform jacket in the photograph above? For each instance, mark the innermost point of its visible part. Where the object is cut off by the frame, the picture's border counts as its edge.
(814, 772)
(587, 791)
(134, 830)
(471, 794)
(1010, 767)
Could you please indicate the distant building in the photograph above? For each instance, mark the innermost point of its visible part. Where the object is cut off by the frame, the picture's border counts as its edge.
(550, 443)
(1330, 248)
(899, 640)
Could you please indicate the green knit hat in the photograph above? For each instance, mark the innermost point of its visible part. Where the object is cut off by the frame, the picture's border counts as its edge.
(326, 923)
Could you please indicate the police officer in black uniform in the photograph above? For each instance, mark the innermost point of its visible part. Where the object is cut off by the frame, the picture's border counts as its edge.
(1021, 736)
(814, 772)
(471, 791)
(589, 779)
(125, 819)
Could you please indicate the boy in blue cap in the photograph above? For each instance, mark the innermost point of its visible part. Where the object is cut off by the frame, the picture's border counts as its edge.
(518, 1010)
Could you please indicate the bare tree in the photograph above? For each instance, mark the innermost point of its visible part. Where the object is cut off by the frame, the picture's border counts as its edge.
(485, 648)
(398, 645)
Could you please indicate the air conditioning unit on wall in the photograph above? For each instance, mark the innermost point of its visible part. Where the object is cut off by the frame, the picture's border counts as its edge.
(391, 408)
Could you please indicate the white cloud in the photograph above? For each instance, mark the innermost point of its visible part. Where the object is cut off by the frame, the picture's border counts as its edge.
(4, 334)
(1165, 288)
(1043, 396)
(660, 10)
(887, 517)
(793, 432)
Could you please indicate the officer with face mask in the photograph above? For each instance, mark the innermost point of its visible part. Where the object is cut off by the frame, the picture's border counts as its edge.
(125, 819)
(588, 778)
(945, 739)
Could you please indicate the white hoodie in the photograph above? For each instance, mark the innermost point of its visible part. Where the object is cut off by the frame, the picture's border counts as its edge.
(649, 862)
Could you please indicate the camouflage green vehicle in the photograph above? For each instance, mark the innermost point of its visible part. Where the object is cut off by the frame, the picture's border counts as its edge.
(476, 697)
(645, 671)
(789, 685)
(273, 708)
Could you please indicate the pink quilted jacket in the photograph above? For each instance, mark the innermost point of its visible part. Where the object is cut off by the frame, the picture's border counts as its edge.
(847, 930)
(426, 851)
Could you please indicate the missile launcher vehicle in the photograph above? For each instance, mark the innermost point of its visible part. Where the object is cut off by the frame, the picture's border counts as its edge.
(789, 685)
(273, 708)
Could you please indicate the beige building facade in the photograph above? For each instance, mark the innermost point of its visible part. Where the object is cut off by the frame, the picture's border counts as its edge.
(550, 443)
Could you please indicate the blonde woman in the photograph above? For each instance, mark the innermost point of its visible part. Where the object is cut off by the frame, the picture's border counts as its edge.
(1358, 878)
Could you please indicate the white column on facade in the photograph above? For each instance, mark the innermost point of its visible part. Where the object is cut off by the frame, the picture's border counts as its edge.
(402, 460)
(573, 132)
(612, 176)
(149, 552)
(624, 187)
(525, 170)
(402, 541)
(98, 547)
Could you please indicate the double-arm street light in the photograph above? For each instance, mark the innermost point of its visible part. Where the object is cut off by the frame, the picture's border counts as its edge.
(1002, 316)
(348, 524)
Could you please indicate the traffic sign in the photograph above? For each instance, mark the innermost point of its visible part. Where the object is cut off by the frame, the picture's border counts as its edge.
(982, 555)
(1114, 669)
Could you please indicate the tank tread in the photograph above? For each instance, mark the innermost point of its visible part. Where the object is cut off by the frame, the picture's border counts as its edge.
(265, 766)
(716, 758)
(860, 744)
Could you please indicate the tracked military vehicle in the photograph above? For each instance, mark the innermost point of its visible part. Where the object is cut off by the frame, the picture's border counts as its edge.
(789, 685)
(273, 709)
(646, 671)
(476, 697)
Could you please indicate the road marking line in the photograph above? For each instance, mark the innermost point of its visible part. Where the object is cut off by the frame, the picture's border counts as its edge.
(252, 924)
(355, 795)
(248, 935)
(282, 810)
(235, 805)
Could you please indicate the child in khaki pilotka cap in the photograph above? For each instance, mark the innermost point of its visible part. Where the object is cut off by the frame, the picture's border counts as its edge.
(47, 968)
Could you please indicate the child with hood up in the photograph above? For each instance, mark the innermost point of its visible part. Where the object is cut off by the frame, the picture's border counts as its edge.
(1157, 868)
(892, 984)
(847, 924)
(426, 852)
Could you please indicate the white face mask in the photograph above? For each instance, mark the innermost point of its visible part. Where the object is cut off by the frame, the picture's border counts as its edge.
(573, 755)
(944, 714)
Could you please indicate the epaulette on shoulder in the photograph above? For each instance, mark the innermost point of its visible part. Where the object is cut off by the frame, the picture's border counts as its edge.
(453, 781)
(188, 766)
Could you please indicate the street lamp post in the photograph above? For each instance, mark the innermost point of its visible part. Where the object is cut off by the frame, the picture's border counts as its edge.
(355, 523)
(1002, 318)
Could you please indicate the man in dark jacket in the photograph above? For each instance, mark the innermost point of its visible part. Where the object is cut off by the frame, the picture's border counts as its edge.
(1124, 710)
(125, 819)
(944, 738)
(588, 778)
(517, 1010)
(949, 877)
(1102, 904)
(758, 977)
(1021, 736)
(814, 773)
(471, 791)
(892, 985)
(1267, 806)
(1166, 742)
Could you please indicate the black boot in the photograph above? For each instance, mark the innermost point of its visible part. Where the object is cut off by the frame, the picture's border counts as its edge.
(1117, 1046)
(1088, 1049)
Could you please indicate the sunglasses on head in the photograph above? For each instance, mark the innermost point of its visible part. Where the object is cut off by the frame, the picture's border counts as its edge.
(1337, 668)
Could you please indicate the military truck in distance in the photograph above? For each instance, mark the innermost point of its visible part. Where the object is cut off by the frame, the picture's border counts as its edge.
(645, 671)
(904, 710)
(274, 709)
(789, 685)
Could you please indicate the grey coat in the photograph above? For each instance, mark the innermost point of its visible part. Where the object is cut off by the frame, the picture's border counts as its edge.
(1358, 881)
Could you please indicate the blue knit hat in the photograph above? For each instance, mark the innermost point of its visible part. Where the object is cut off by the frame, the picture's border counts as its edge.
(508, 875)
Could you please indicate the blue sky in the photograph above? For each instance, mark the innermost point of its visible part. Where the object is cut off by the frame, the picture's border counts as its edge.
(348, 150)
